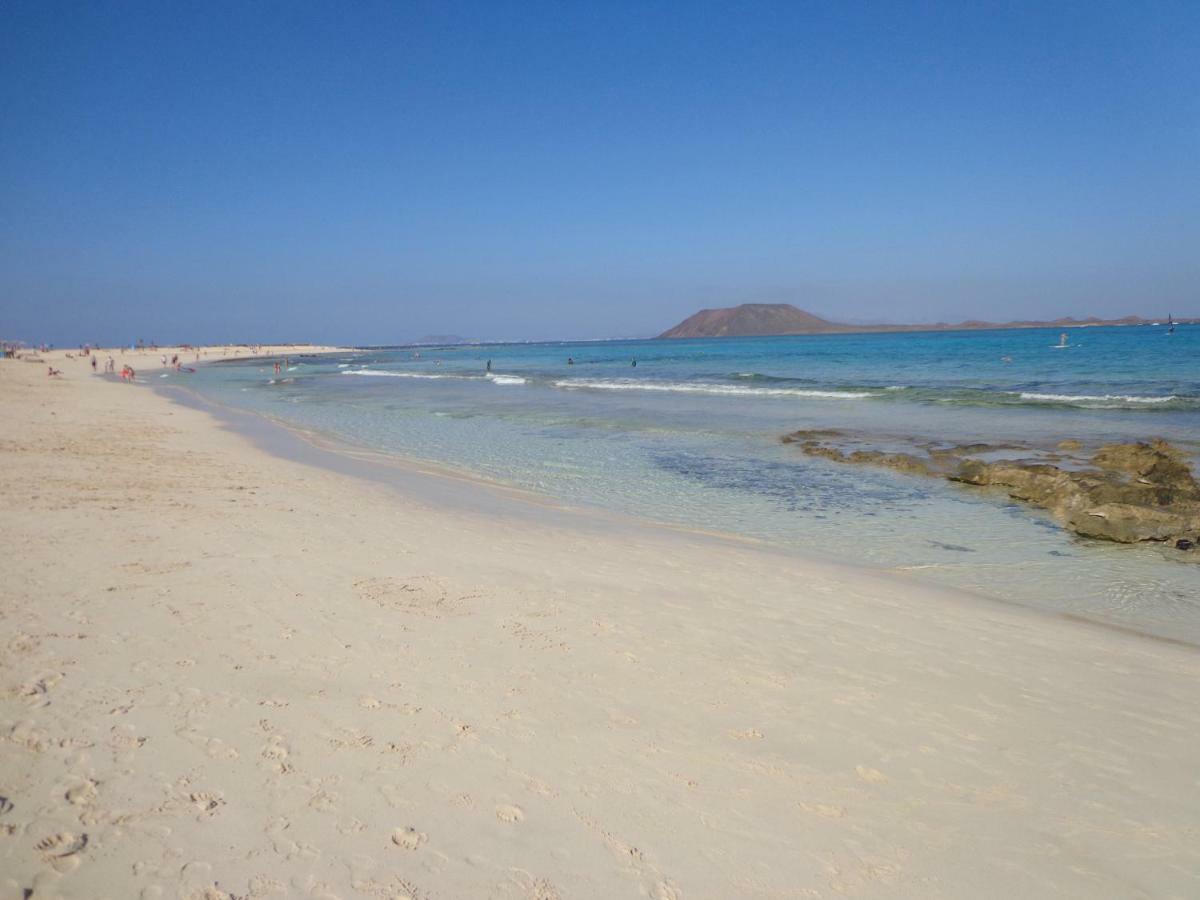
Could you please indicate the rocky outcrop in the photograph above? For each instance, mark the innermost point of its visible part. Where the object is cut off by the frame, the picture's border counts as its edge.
(1128, 493)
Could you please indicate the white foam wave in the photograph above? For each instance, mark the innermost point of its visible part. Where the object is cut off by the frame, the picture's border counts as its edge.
(506, 379)
(343, 365)
(699, 387)
(1092, 398)
(378, 374)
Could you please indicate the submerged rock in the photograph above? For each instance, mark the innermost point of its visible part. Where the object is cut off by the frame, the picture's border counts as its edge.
(1128, 493)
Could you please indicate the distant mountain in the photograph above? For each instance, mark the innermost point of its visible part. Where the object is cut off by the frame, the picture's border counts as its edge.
(430, 339)
(751, 319)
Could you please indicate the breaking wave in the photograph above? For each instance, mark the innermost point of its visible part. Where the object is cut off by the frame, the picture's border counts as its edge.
(699, 387)
(376, 373)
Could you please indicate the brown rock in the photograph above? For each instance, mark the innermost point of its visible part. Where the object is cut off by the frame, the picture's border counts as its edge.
(903, 462)
(1138, 492)
(1156, 463)
(1129, 524)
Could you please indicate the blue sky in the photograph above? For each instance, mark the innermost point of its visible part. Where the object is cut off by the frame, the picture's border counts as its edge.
(373, 172)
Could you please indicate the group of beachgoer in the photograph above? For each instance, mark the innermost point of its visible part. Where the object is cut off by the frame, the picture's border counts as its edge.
(91, 353)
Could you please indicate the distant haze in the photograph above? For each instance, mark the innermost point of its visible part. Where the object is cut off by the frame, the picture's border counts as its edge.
(376, 172)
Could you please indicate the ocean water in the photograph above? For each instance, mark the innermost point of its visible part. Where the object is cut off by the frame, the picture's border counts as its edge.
(691, 436)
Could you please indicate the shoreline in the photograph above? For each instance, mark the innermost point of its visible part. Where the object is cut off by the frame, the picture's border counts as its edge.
(235, 673)
(401, 473)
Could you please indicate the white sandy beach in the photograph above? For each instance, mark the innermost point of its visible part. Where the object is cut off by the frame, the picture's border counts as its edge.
(229, 674)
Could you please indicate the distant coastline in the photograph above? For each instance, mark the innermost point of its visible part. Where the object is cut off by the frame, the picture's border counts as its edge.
(766, 319)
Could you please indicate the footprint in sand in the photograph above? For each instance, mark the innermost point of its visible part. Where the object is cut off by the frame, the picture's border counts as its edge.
(508, 813)
(275, 749)
(423, 595)
(36, 692)
(6, 806)
(409, 838)
(123, 737)
(534, 888)
(82, 794)
(206, 802)
(873, 776)
(218, 749)
(63, 844)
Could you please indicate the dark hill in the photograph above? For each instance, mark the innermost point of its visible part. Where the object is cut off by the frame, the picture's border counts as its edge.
(751, 319)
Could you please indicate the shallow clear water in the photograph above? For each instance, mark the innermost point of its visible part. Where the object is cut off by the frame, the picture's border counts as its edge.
(690, 435)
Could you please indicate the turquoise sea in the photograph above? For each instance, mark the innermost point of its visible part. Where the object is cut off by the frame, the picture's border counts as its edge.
(691, 436)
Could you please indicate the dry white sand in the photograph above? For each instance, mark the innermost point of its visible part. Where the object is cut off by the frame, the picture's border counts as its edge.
(228, 674)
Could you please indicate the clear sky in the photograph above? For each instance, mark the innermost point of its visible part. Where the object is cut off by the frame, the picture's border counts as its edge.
(377, 171)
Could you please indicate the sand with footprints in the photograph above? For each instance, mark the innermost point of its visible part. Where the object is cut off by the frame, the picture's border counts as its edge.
(225, 673)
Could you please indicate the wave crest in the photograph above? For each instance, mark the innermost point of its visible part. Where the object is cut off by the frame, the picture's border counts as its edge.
(376, 373)
(1033, 397)
(679, 387)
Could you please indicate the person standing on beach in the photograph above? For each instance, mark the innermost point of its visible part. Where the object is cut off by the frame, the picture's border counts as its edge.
(93, 364)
